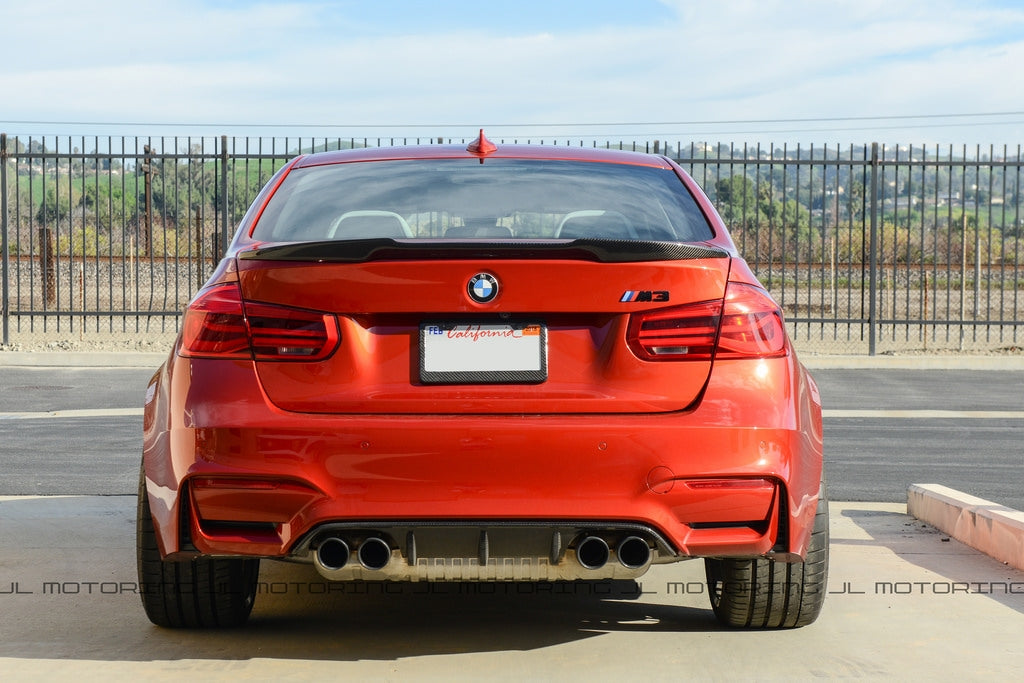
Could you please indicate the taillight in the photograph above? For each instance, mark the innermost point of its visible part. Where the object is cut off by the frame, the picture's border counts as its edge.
(747, 324)
(214, 325)
(678, 333)
(218, 325)
(751, 324)
(281, 333)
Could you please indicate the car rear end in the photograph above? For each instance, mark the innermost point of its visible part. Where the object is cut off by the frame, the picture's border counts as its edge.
(482, 364)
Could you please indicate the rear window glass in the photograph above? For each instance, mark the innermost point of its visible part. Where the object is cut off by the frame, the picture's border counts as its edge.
(466, 199)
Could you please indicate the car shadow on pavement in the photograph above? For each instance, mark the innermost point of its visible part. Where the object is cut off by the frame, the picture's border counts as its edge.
(382, 620)
(68, 590)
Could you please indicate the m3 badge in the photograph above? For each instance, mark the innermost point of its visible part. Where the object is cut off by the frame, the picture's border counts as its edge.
(644, 295)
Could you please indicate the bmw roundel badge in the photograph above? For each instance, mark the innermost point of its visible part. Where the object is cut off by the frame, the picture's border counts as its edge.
(483, 287)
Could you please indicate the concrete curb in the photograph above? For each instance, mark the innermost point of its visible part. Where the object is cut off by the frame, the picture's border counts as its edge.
(995, 530)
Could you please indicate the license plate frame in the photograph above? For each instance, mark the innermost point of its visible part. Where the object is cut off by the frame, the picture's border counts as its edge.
(483, 352)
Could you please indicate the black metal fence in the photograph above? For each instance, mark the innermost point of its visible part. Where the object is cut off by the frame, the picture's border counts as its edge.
(868, 248)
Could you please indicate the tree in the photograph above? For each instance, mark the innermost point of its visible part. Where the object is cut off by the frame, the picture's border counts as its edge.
(737, 202)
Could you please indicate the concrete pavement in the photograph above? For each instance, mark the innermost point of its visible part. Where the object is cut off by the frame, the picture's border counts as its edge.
(905, 600)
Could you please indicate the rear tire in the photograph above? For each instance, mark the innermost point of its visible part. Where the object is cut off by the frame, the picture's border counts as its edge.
(197, 593)
(763, 593)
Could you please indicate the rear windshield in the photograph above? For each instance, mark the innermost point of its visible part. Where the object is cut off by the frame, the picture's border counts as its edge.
(466, 199)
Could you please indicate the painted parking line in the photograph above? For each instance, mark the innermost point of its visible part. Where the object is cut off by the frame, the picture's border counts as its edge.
(927, 414)
(60, 414)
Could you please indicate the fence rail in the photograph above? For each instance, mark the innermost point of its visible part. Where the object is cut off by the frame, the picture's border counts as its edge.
(868, 248)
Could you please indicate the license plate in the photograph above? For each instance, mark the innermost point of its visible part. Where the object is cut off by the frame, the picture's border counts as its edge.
(483, 352)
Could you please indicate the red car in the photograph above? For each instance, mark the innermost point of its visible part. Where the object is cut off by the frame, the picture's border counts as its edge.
(482, 363)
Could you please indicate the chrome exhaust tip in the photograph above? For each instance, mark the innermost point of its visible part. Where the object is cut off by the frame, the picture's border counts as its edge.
(332, 554)
(592, 552)
(633, 552)
(374, 553)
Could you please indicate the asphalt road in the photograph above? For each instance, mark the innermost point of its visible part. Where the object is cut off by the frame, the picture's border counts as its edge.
(78, 431)
(886, 429)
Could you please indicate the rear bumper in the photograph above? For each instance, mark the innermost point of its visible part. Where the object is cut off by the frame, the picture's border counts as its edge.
(233, 475)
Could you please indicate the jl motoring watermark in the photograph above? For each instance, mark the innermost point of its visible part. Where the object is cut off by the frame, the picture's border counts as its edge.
(596, 589)
(601, 589)
(931, 588)
(69, 588)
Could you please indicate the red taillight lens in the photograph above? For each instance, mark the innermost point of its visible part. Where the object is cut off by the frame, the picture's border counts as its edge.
(218, 325)
(747, 324)
(752, 324)
(214, 325)
(678, 333)
(280, 333)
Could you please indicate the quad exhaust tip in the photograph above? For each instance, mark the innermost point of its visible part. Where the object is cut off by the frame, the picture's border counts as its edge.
(633, 552)
(374, 553)
(334, 553)
(593, 552)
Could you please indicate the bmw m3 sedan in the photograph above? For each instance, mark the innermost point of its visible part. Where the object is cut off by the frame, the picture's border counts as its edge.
(482, 363)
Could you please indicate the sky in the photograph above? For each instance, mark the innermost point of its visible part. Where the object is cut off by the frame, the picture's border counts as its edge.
(823, 72)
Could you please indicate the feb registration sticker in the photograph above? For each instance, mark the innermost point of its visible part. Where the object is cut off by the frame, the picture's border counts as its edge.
(483, 352)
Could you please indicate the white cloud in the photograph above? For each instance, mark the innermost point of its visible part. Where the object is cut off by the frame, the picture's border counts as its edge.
(284, 63)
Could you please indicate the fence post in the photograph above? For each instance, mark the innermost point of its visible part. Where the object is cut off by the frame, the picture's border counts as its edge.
(225, 234)
(147, 172)
(873, 250)
(4, 247)
(200, 248)
(48, 265)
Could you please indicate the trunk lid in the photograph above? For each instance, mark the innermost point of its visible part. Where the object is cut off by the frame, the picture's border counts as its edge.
(411, 330)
